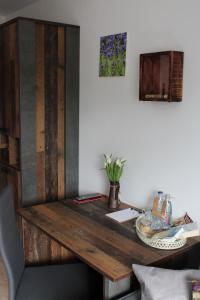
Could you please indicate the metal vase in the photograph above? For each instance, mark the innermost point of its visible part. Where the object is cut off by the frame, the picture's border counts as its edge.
(113, 199)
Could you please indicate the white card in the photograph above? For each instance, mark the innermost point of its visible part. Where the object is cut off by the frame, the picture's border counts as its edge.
(123, 215)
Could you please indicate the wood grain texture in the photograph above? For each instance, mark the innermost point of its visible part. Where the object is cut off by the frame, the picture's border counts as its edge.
(14, 179)
(10, 119)
(108, 247)
(61, 112)
(37, 85)
(11, 79)
(40, 113)
(3, 141)
(13, 151)
(177, 59)
(47, 91)
(51, 116)
(49, 251)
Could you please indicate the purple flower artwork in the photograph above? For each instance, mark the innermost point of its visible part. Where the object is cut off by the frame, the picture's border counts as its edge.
(113, 55)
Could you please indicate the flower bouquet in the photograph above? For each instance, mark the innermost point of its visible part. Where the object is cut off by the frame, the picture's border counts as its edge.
(114, 170)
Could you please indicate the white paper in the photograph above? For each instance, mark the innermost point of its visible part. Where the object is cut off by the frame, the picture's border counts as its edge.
(190, 230)
(123, 215)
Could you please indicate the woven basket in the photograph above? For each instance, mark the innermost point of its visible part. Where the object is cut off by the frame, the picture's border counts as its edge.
(164, 244)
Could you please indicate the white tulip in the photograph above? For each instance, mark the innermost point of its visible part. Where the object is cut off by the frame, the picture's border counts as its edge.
(108, 160)
(118, 163)
(122, 160)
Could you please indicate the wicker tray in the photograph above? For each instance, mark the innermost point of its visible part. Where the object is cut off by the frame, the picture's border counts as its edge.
(159, 243)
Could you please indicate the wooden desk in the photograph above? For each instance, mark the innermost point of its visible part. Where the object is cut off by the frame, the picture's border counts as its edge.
(107, 246)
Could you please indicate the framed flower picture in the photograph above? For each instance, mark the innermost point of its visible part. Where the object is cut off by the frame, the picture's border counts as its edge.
(112, 60)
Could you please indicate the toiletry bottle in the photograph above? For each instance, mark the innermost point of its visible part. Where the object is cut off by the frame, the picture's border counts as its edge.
(160, 197)
(168, 218)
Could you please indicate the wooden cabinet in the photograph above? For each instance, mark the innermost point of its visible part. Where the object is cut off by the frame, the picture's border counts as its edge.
(39, 111)
(161, 76)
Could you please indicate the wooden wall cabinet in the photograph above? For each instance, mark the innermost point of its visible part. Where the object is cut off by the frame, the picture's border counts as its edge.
(161, 76)
(39, 117)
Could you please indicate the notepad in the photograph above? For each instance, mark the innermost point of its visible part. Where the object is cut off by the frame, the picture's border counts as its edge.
(123, 215)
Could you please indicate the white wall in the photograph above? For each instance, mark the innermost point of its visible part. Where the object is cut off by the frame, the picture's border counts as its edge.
(160, 141)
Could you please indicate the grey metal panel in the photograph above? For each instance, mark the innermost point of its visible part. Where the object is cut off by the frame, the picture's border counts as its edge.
(27, 65)
(132, 296)
(72, 110)
(113, 290)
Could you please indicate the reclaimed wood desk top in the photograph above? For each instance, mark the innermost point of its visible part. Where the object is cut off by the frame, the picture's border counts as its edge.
(107, 246)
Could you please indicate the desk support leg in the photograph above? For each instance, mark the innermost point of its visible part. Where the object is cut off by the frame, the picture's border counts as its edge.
(112, 289)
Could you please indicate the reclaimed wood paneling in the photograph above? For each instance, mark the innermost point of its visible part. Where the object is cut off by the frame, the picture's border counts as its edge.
(13, 151)
(41, 74)
(11, 79)
(3, 141)
(72, 110)
(27, 70)
(14, 179)
(40, 113)
(49, 251)
(51, 116)
(31, 239)
(61, 112)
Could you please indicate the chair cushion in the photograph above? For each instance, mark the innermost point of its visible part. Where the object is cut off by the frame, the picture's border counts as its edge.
(56, 282)
(157, 283)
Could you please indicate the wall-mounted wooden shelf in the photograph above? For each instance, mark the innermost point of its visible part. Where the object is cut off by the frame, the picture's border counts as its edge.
(161, 76)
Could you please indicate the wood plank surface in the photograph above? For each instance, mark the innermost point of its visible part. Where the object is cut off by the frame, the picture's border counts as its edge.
(40, 113)
(36, 81)
(41, 249)
(61, 112)
(108, 247)
(11, 79)
(51, 116)
(13, 151)
(3, 141)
